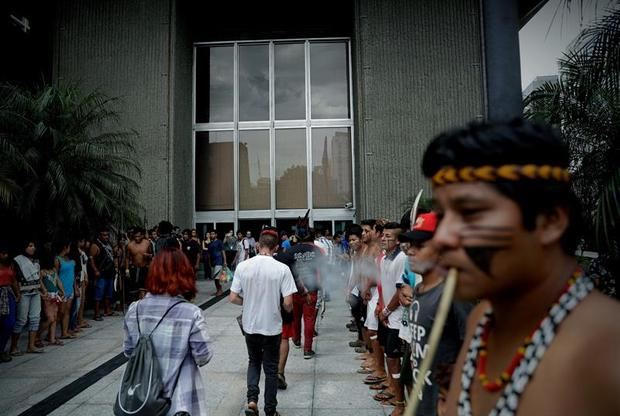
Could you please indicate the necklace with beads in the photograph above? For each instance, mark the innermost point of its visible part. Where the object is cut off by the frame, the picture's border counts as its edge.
(522, 366)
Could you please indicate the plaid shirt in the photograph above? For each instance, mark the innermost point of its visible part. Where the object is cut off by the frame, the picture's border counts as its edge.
(181, 343)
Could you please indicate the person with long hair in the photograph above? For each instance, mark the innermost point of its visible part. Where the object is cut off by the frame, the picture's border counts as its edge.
(65, 268)
(180, 341)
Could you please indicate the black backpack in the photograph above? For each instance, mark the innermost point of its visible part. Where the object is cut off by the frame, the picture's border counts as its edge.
(141, 388)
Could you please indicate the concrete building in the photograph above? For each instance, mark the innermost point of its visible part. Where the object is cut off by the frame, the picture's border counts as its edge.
(247, 116)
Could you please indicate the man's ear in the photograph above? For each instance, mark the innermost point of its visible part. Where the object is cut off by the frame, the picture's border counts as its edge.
(551, 225)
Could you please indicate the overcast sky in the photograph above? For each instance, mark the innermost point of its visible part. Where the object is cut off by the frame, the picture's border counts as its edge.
(545, 38)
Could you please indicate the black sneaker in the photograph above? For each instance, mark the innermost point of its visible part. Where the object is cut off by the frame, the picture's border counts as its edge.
(356, 343)
(282, 382)
(308, 354)
(297, 343)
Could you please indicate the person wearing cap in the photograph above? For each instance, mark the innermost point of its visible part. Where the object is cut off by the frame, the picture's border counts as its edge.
(258, 284)
(423, 301)
(542, 341)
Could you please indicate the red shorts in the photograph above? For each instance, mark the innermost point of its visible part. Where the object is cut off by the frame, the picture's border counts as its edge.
(288, 331)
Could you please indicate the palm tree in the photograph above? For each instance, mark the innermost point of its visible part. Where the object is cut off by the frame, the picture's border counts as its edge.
(64, 169)
(585, 105)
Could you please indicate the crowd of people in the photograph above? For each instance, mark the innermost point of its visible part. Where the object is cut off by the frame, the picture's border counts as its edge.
(507, 222)
(45, 287)
(505, 219)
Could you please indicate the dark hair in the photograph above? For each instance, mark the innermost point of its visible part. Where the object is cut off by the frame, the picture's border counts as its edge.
(268, 240)
(46, 260)
(186, 231)
(25, 243)
(139, 230)
(59, 245)
(371, 223)
(4, 247)
(391, 226)
(354, 229)
(309, 237)
(103, 229)
(164, 227)
(516, 142)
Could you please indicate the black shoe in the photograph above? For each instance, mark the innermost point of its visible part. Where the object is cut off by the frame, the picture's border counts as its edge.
(282, 385)
(297, 343)
(356, 343)
(309, 354)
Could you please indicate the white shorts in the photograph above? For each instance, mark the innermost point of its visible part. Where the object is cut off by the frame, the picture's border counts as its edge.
(372, 323)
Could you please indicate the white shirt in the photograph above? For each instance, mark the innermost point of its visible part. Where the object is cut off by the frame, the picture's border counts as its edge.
(261, 281)
(391, 273)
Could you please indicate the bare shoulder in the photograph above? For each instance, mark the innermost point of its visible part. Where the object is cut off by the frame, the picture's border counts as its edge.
(597, 316)
(590, 339)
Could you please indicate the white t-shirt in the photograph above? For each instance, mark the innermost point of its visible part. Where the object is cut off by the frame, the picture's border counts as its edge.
(261, 281)
(391, 273)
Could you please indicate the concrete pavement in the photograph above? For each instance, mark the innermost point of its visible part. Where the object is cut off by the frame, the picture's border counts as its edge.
(325, 385)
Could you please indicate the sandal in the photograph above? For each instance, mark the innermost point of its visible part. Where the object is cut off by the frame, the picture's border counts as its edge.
(383, 396)
(364, 371)
(67, 337)
(39, 344)
(57, 342)
(98, 318)
(37, 351)
(17, 353)
(371, 379)
(380, 386)
(85, 325)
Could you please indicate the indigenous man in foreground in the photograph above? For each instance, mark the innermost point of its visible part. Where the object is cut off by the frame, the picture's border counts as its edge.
(541, 341)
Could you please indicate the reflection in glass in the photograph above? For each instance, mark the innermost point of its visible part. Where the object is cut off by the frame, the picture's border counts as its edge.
(214, 171)
(254, 183)
(291, 185)
(290, 81)
(253, 82)
(214, 84)
(328, 79)
(331, 167)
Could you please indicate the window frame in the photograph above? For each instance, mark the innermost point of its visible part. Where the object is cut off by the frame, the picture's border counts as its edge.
(334, 214)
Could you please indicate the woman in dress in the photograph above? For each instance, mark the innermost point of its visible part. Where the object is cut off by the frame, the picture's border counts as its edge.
(180, 341)
(65, 268)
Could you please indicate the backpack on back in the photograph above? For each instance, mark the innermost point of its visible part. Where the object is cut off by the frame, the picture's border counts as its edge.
(141, 388)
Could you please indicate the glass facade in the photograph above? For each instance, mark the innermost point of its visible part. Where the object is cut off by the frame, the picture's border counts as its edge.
(273, 131)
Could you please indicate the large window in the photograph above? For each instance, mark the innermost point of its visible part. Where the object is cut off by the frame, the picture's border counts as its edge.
(273, 130)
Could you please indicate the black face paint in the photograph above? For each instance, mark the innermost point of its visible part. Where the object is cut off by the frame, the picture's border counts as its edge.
(491, 240)
(482, 256)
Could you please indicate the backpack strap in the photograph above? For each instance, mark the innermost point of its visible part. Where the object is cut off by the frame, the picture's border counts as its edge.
(158, 322)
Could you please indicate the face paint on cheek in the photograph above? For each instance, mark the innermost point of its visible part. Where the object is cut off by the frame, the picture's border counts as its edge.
(482, 242)
(482, 257)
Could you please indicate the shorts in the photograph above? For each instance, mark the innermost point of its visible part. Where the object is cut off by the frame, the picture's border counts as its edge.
(392, 344)
(137, 276)
(372, 323)
(104, 288)
(288, 330)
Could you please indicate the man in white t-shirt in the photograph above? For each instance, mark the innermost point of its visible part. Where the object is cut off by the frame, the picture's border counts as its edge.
(389, 311)
(259, 285)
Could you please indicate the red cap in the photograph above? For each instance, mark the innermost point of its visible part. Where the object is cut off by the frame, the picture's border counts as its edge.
(426, 222)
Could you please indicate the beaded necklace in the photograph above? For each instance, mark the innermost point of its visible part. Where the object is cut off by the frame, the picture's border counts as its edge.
(528, 356)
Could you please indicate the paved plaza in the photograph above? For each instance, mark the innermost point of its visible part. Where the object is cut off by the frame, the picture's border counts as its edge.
(325, 385)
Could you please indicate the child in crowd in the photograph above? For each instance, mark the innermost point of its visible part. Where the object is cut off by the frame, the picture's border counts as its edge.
(53, 295)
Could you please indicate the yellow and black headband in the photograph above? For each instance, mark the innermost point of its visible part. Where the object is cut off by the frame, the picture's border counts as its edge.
(449, 174)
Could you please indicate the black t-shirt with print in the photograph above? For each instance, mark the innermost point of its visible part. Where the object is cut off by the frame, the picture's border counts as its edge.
(423, 311)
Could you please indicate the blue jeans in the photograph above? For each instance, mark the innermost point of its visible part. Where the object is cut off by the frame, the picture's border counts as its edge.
(263, 350)
(104, 288)
(7, 323)
(28, 311)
